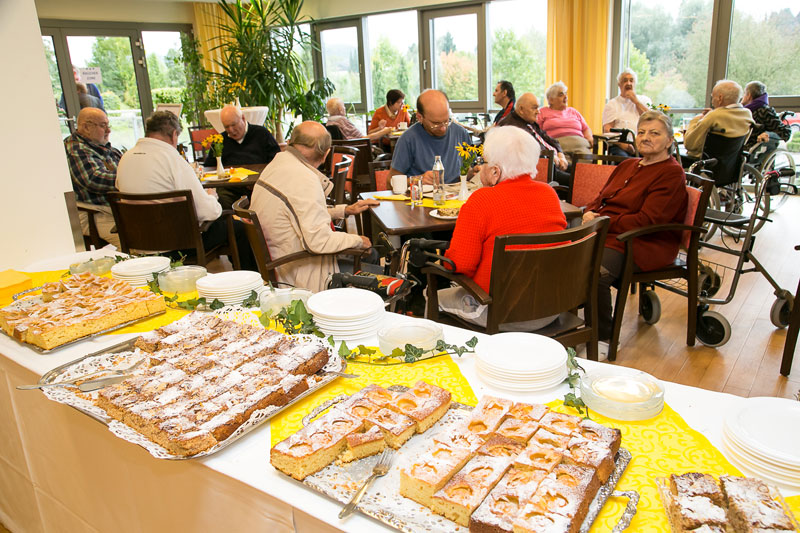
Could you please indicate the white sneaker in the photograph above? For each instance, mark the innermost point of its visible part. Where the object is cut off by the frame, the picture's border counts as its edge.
(602, 350)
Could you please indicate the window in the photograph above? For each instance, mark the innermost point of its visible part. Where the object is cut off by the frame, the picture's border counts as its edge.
(518, 45)
(667, 44)
(765, 44)
(341, 48)
(165, 70)
(393, 56)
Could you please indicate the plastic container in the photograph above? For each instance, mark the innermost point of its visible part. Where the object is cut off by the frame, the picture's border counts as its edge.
(623, 395)
(420, 333)
(181, 279)
(272, 301)
(98, 266)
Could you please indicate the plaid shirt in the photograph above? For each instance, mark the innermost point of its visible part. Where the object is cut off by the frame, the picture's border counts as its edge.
(93, 168)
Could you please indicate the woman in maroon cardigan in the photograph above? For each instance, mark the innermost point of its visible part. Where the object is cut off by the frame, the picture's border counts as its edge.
(640, 192)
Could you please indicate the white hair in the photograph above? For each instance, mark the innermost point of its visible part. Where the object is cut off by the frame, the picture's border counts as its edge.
(553, 90)
(628, 71)
(334, 106)
(730, 91)
(513, 150)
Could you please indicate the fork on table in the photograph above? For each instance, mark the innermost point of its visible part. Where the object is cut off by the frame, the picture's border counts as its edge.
(381, 469)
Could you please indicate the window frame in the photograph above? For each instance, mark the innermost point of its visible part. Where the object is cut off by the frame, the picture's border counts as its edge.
(363, 68)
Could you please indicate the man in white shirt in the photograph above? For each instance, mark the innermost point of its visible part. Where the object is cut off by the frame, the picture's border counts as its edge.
(726, 117)
(154, 165)
(623, 111)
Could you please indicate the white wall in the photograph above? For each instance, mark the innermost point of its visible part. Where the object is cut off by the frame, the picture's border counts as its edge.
(34, 174)
(117, 10)
(323, 9)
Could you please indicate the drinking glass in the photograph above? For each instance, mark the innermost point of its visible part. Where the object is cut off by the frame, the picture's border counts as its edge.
(416, 190)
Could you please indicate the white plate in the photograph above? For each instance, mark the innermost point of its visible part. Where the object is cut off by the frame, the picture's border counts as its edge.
(520, 379)
(350, 323)
(732, 442)
(141, 265)
(222, 281)
(241, 290)
(757, 464)
(344, 304)
(747, 468)
(521, 387)
(435, 214)
(520, 373)
(214, 177)
(769, 427)
(521, 352)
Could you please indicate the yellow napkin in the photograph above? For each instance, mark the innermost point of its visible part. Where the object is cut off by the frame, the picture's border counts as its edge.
(427, 202)
(241, 173)
(12, 282)
(394, 197)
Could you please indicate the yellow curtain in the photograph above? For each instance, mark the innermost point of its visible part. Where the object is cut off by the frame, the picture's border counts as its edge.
(577, 53)
(207, 18)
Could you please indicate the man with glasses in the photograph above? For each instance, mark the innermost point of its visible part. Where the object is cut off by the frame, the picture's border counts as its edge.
(93, 169)
(433, 134)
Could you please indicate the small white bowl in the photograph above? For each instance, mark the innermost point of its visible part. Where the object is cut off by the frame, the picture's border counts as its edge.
(420, 333)
(273, 300)
(181, 279)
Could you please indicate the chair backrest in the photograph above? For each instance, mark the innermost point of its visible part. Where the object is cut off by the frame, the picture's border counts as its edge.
(341, 170)
(157, 222)
(380, 175)
(544, 274)
(198, 134)
(364, 156)
(544, 168)
(588, 176)
(699, 190)
(336, 133)
(728, 151)
(256, 238)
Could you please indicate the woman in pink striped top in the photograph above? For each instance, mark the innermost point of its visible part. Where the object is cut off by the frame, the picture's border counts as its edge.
(565, 123)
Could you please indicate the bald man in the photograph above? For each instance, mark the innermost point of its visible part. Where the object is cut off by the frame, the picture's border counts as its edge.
(242, 144)
(337, 116)
(727, 117)
(289, 199)
(433, 134)
(93, 169)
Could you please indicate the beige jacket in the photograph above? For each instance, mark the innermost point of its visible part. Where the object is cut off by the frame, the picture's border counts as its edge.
(734, 119)
(308, 228)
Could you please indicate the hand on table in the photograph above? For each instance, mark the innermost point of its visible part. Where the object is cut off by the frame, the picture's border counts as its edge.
(360, 206)
(589, 216)
(427, 178)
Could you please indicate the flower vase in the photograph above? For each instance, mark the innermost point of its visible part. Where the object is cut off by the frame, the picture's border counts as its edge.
(220, 168)
(463, 192)
(237, 104)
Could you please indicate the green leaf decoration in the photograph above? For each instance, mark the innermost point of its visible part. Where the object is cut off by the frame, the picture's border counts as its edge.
(473, 342)
(344, 351)
(216, 304)
(252, 300)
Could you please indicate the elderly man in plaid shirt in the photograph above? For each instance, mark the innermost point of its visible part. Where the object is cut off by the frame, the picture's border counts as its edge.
(93, 168)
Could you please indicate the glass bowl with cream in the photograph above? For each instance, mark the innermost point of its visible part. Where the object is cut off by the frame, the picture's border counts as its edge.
(622, 394)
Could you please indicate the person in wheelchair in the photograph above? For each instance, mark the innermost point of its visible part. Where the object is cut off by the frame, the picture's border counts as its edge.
(768, 130)
(640, 192)
(509, 202)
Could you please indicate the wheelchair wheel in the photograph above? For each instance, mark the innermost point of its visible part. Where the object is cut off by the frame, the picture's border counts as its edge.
(777, 160)
(650, 306)
(708, 281)
(713, 329)
(780, 312)
(715, 203)
(740, 201)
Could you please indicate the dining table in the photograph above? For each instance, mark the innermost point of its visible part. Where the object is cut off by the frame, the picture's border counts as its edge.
(61, 470)
(248, 181)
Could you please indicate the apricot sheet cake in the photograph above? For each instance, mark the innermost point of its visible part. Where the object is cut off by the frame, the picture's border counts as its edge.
(76, 307)
(206, 377)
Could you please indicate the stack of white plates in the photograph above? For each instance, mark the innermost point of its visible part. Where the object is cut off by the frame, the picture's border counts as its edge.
(521, 362)
(761, 437)
(139, 271)
(348, 314)
(231, 288)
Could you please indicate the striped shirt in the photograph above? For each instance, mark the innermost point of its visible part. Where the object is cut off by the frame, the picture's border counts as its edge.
(92, 167)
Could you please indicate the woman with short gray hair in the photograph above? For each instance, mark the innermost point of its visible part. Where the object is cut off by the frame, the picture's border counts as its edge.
(564, 123)
(768, 124)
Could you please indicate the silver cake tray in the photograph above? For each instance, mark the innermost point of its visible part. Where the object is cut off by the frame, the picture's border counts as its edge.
(383, 502)
(101, 359)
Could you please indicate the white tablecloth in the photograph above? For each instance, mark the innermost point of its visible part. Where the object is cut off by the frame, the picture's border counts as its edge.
(62, 471)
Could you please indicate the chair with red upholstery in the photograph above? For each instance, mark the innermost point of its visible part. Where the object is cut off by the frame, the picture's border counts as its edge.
(544, 168)
(380, 175)
(198, 134)
(698, 189)
(588, 176)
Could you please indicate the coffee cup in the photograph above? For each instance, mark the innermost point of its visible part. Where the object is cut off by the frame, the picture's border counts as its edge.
(402, 125)
(399, 184)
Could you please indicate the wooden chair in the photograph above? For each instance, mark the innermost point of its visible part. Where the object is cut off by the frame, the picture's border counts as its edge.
(530, 283)
(198, 134)
(337, 155)
(361, 166)
(698, 189)
(380, 175)
(791, 333)
(545, 167)
(336, 133)
(588, 177)
(166, 221)
(341, 170)
(258, 242)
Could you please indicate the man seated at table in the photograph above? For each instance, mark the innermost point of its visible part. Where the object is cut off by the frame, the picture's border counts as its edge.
(524, 116)
(433, 134)
(623, 111)
(93, 169)
(337, 116)
(510, 202)
(289, 199)
(727, 117)
(242, 144)
(154, 165)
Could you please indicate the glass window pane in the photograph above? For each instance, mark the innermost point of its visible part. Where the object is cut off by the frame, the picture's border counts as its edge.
(55, 83)
(165, 70)
(302, 48)
(668, 48)
(340, 62)
(454, 42)
(394, 56)
(518, 44)
(765, 44)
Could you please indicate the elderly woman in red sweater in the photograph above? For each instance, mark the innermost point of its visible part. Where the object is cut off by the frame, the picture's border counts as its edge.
(640, 192)
(509, 202)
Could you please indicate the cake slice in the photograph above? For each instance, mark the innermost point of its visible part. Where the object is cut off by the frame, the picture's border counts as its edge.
(696, 484)
(535, 518)
(397, 428)
(362, 444)
(538, 457)
(518, 429)
(467, 489)
(610, 437)
(561, 423)
(499, 446)
(500, 508)
(432, 469)
(423, 403)
(751, 508)
(591, 454)
(543, 437)
(487, 416)
(377, 395)
(688, 513)
(532, 412)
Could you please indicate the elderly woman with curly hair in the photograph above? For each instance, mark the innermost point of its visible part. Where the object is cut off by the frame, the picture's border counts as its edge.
(565, 123)
(509, 202)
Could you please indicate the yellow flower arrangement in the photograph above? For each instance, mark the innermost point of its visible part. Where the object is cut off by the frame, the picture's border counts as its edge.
(214, 143)
(468, 154)
(236, 86)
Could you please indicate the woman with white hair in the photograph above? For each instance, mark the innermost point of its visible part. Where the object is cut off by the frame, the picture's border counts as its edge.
(509, 202)
(565, 123)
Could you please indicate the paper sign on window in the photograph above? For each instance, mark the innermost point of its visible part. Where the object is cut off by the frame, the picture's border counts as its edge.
(90, 75)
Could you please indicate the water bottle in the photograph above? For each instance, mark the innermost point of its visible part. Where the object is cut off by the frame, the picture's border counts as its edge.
(438, 178)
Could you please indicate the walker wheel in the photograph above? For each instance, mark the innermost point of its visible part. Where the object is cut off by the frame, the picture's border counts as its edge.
(780, 312)
(713, 329)
(650, 306)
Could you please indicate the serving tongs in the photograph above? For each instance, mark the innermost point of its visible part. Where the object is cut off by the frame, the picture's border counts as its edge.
(94, 381)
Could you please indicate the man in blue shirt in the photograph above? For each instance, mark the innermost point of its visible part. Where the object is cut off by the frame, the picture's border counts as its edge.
(433, 134)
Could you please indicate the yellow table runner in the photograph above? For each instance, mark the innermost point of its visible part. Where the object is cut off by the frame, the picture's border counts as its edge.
(427, 202)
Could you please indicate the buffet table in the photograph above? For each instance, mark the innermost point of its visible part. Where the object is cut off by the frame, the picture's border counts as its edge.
(61, 470)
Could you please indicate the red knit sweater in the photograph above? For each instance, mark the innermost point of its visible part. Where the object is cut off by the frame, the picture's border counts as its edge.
(513, 206)
(654, 194)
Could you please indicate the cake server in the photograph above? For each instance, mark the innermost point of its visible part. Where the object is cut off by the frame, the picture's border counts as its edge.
(381, 469)
(95, 384)
(104, 373)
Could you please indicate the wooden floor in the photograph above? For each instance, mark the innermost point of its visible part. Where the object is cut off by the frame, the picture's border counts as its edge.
(747, 365)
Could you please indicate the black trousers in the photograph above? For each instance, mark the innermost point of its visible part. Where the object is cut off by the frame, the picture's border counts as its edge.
(610, 272)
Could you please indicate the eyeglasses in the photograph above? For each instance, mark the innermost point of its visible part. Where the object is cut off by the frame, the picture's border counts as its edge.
(439, 124)
(104, 125)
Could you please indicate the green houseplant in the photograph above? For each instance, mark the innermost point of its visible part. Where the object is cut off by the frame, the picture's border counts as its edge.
(200, 93)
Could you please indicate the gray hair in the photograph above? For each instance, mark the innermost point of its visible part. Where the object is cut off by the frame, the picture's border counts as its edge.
(311, 137)
(628, 71)
(162, 122)
(334, 105)
(553, 89)
(755, 89)
(730, 91)
(654, 115)
(513, 150)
